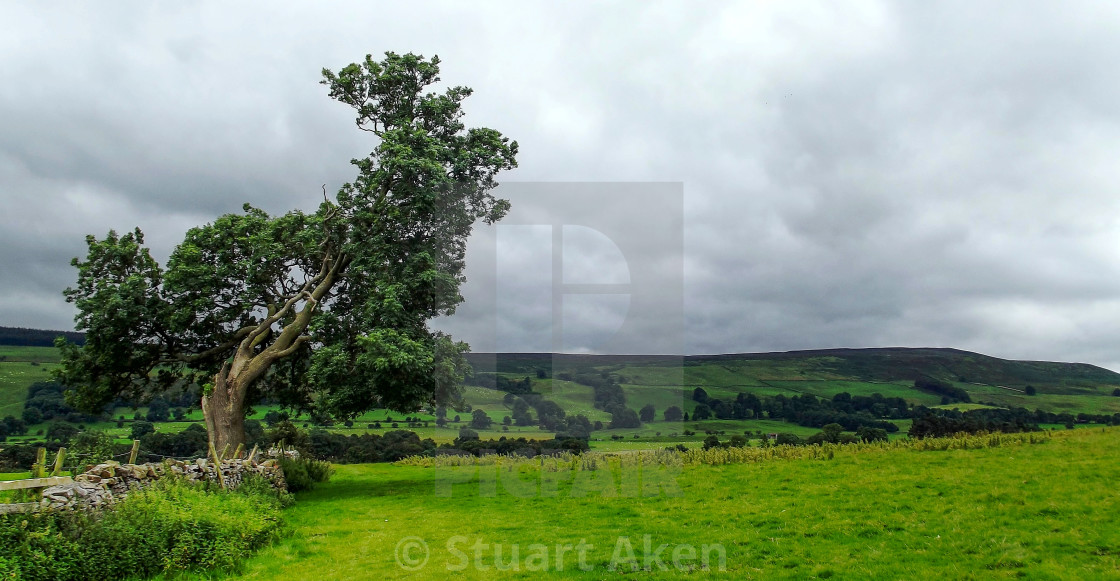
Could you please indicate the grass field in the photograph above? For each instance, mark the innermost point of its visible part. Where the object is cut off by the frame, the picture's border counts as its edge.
(963, 407)
(19, 368)
(1042, 511)
(16, 374)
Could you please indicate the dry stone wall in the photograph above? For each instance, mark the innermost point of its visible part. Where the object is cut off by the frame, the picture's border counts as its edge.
(107, 483)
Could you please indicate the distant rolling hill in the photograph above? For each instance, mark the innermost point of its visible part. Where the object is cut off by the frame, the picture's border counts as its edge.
(669, 380)
(873, 364)
(825, 372)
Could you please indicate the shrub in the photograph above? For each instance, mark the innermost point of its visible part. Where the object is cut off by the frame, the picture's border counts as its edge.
(786, 439)
(255, 484)
(89, 448)
(141, 428)
(287, 433)
(466, 434)
(319, 471)
(624, 418)
(303, 473)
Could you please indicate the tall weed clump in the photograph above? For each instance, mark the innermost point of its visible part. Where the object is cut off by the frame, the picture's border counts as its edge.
(304, 473)
(827, 451)
(172, 526)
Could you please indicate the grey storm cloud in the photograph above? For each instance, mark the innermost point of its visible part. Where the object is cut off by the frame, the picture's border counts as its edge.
(865, 174)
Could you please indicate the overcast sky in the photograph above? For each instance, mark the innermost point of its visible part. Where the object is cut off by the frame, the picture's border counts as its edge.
(865, 174)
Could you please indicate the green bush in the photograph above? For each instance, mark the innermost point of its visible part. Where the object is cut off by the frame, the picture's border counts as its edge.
(89, 448)
(255, 484)
(319, 471)
(303, 473)
(172, 526)
(8, 572)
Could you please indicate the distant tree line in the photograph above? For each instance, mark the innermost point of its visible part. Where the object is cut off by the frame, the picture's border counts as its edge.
(500, 382)
(46, 401)
(397, 444)
(608, 396)
(830, 433)
(938, 422)
(937, 426)
(949, 393)
(850, 412)
(37, 337)
(550, 416)
(608, 393)
(468, 442)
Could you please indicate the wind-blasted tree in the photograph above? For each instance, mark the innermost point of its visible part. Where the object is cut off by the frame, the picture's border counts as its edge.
(324, 311)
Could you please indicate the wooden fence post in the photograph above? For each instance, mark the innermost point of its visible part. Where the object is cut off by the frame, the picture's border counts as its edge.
(217, 465)
(58, 461)
(238, 451)
(135, 450)
(38, 470)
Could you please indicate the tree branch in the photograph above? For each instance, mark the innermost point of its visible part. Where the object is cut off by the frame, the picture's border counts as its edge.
(184, 358)
(266, 324)
(292, 349)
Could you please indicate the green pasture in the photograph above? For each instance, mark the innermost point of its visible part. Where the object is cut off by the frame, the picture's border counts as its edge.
(19, 368)
(1042, 511)
(661, 397)
(15, 377)
(963, 407)
(21, 354)
(1057, 403)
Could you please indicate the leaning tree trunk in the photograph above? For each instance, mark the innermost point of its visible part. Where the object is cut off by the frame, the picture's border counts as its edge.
(224, 411)
(224, 406)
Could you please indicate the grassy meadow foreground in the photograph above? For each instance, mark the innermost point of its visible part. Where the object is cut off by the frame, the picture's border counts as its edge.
(1041, 511)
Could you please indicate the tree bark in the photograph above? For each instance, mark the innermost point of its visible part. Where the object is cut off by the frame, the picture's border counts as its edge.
(224, 407)
(224, 411)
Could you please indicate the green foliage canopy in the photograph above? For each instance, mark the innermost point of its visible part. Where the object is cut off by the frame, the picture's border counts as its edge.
(325, 309)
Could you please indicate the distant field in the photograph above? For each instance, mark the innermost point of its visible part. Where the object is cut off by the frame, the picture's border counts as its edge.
(19, 368)
(575, 398)
(629, 445)
(15, 377)
(12, 353)
(662, 398)
(964, 407)
(1057, 403)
